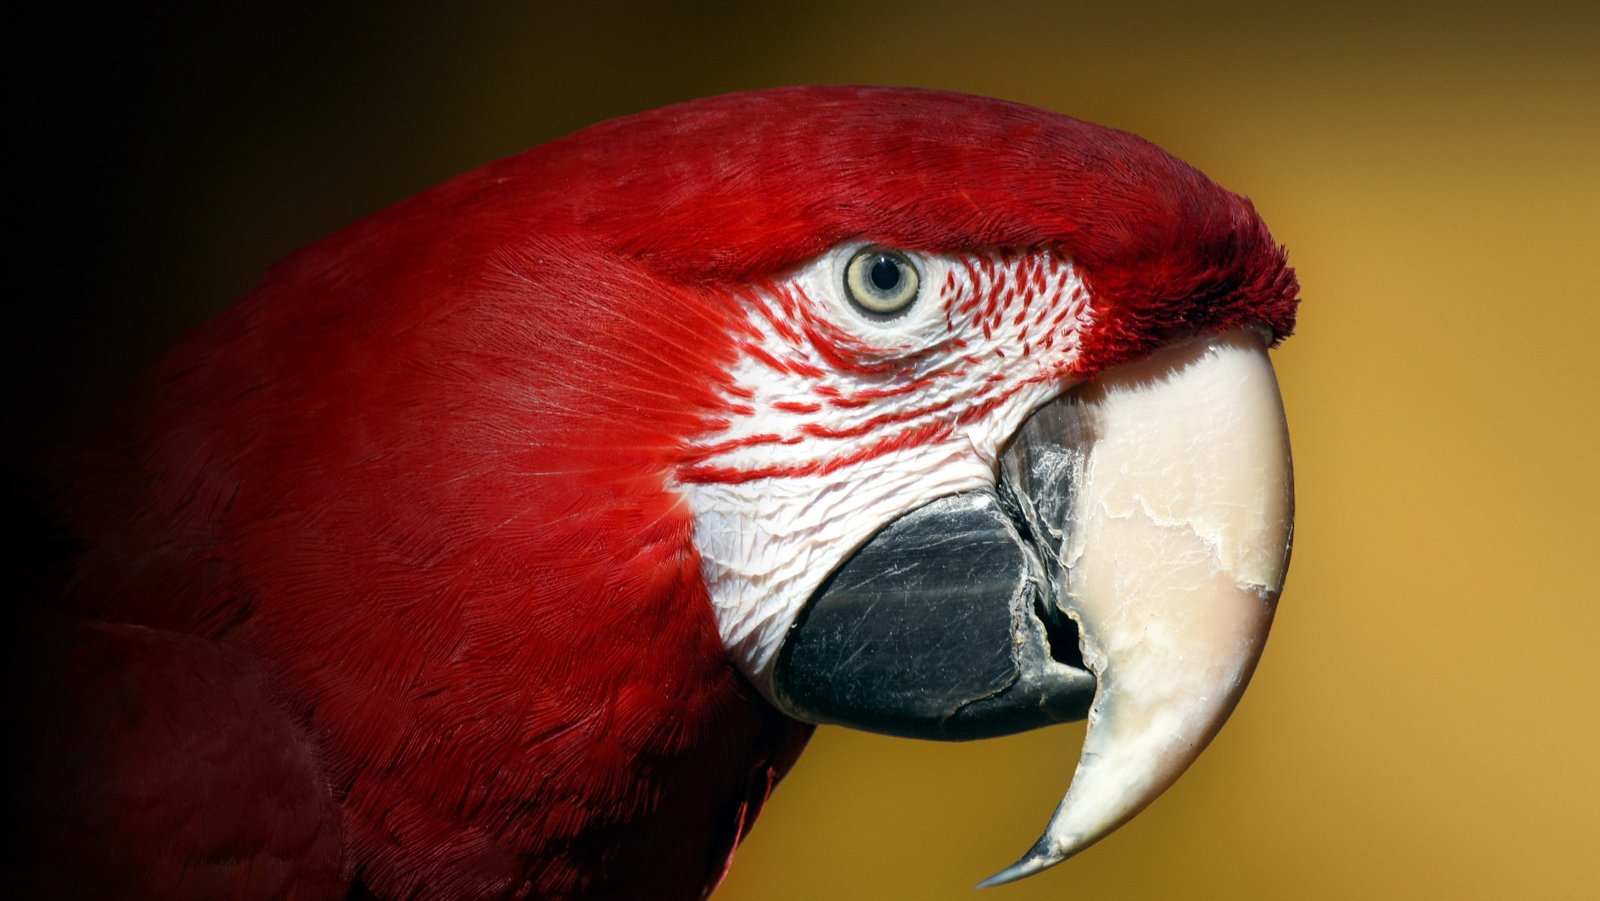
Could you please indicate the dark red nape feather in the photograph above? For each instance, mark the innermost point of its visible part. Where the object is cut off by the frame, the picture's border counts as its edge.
(414, 495)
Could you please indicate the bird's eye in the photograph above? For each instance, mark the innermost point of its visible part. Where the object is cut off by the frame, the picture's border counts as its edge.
(881, 283)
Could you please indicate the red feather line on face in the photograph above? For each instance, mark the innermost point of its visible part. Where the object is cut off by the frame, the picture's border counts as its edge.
(904, 392)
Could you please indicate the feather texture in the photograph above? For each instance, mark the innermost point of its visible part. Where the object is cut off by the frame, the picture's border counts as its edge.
(410, 505)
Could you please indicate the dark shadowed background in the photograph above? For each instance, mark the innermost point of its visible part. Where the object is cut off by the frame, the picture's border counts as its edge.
(1424, 722)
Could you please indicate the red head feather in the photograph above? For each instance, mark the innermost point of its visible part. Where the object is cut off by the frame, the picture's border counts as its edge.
(421, 472)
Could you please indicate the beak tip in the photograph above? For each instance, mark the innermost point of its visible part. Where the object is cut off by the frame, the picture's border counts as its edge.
(1042, 856)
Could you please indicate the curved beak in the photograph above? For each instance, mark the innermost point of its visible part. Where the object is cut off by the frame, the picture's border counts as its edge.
(1172, 553)
(1126, 566)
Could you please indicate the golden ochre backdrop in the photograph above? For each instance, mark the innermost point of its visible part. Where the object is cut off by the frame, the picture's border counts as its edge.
(1425, 721)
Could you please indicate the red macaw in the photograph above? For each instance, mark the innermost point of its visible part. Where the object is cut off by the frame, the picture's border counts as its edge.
(509, 542)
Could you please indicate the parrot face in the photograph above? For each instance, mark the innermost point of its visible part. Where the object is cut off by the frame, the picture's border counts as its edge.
(880, 388)
(540, 513)
(843, 416)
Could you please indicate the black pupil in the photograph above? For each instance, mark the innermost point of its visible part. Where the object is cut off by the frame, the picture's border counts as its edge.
(885, 274)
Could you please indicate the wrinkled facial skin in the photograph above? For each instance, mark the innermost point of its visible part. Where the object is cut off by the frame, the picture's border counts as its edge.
(838, 421)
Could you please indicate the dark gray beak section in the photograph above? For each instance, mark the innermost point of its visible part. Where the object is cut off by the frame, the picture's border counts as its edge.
(942, 626)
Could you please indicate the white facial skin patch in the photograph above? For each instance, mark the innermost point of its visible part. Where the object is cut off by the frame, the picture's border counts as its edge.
(839, 421)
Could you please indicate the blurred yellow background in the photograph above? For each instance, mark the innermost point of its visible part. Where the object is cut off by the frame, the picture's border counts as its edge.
(1425, 722)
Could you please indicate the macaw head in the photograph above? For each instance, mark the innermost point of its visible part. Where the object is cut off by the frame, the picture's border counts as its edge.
(992, 440)
(935, 415)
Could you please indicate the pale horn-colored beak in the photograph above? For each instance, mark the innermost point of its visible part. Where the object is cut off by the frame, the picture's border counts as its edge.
(1170, 537)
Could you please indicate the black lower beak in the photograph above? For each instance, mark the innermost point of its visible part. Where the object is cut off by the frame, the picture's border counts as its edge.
(908, 638)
